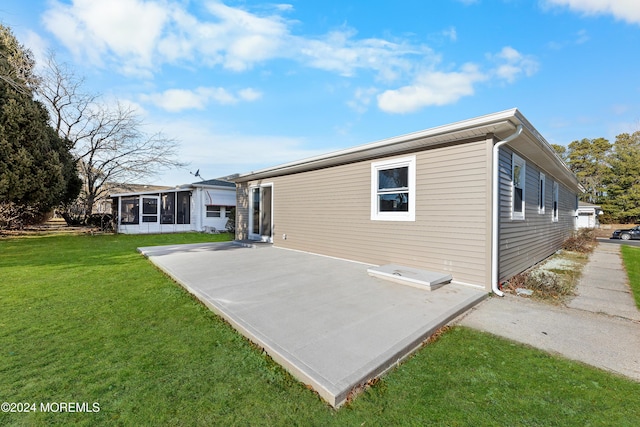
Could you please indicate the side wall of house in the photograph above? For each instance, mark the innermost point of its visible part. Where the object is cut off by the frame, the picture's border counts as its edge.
(204, 197)
(525, 242)
(328, 211)
(242, 211)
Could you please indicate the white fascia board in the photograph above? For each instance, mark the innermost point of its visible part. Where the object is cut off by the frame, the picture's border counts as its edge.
(142, 193)
(477, 122)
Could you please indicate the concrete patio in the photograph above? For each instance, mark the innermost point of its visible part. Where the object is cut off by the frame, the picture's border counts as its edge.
(325, 320)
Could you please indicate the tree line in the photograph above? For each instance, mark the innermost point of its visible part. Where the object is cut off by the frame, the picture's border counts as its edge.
(63, 147)
(609, 173)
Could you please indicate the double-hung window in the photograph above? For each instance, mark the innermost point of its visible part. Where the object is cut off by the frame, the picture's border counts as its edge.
(393, 189)
(541, 191)
(518, 173)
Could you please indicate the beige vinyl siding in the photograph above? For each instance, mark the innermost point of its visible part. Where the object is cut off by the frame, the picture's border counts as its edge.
(524, 243)
(242, 211)
(328, 211)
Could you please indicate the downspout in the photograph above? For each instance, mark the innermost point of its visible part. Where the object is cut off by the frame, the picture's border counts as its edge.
(495, 217)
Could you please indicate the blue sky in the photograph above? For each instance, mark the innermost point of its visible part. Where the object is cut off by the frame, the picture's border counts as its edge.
(244, 85)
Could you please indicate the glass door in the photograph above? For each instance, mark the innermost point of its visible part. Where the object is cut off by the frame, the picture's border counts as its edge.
(260, 219)
(150, 209)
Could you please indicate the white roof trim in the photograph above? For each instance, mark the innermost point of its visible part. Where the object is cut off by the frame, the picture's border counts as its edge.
(501, 124)
(150, 192)
(367, 149)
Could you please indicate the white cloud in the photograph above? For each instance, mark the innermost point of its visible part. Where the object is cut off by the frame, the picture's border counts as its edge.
(38, 46)
(447, 87)
(241, 38)
(143, 34)
(202, 141)
(624, 10)
(339, 51)
(431, 88)
(511, 64)
(284, 7)
(450, 33)
(137, 36)
(582, 37)
(126, 29)
(362, 98)
(175, 100)
(249, 94)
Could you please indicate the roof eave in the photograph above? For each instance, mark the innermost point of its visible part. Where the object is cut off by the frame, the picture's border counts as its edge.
(501, 122)
(546, 155)
(220, 187)
(142, 193)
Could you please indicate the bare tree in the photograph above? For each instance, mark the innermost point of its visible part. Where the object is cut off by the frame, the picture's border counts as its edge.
(108, 141)
(61, 91)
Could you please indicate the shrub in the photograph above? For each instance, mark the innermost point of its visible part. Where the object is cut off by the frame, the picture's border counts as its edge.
(548, 283)
(16, 216)
(545, 284)
(231, 222)
(102, 221)
(583, 241)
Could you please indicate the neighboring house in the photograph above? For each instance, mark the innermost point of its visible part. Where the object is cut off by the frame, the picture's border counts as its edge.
(587, 215)
(201, 206)
(104, 204)
(481, 199)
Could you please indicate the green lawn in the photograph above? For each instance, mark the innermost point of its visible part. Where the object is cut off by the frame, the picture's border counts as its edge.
(87, 319)
(631, 257)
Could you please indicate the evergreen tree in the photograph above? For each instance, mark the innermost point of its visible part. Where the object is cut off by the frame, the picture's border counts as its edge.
(623, 185)
(561, 151)
(37, 171)
(588, 159)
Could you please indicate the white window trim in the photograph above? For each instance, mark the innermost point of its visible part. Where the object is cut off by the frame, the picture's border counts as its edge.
(143, 215)
(555, 214)
(517, 160)
(542, 188)
(409, 162)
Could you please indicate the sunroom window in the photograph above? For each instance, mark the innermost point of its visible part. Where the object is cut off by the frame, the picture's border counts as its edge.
(393, 189)
(129, 210)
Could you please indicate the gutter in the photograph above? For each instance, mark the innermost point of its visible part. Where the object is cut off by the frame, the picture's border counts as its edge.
(495, 188)
(337, 157)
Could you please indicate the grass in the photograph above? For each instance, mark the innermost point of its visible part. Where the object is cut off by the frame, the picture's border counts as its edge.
(87, 319)
(631, 257)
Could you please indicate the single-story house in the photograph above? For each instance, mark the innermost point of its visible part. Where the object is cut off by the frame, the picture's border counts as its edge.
(104, 204)
(587, 215)
(201, 206)
(482, 199)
